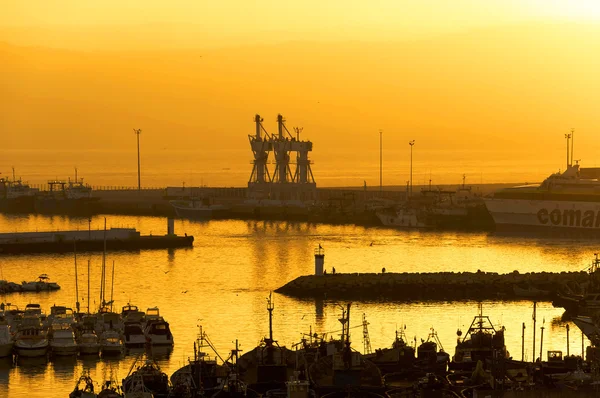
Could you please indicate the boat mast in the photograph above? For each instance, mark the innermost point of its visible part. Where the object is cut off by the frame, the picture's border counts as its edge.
(112, 286)
(270, 307)
(88, 306)
(103, 273)
(572, 144)
(76, 279)
(568, 137)
(533, 352)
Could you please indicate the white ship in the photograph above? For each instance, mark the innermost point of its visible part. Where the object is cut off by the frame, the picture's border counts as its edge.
(564, 203)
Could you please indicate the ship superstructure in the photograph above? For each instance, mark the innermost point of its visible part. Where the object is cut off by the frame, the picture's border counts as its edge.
(563, 202)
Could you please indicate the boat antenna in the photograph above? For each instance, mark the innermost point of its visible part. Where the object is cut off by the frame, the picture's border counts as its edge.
(75, 174)
(112, 286)
(572, 143)
(270, 307)
(103, 273)
(568, 137)
(76, 279)
(13, 170)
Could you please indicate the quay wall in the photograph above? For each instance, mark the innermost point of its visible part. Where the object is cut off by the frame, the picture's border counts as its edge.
(429, 286)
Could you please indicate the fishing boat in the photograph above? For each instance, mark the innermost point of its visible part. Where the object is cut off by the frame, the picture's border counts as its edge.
(482, 341)
(71, 197)
(199, 209)
(41, 285)
(6, 339)
(202, 375)
(84, 388)
(431, 356)
(145, 375)
(62, 339)
(402, 217)
(269, 365)
(16, 196)
(399, 357)
(344, 368)
(31, 339)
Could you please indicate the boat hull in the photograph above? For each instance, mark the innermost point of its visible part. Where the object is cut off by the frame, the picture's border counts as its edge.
(89, 349)
(587, 326)
(63, 350)
(112, 349)
(28, 350)
(549, 217)
(6, 349)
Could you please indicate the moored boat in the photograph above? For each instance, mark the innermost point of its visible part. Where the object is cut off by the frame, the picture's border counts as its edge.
(482, 341)
(31, 339)
(62, 339)
(563, 204)
(41, 285)
(111, 343)
(88, 343)
(147, 376)
(6, 339)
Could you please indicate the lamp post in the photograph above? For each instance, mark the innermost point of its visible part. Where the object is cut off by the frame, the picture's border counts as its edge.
(411, 143)
(380, 161)
(137, 133)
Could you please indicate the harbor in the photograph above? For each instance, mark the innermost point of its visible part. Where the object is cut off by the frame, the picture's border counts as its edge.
(264, 256)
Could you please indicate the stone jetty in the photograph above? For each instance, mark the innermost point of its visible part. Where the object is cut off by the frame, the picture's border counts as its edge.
(434, 286)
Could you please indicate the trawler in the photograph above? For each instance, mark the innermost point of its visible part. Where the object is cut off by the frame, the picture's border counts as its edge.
(564, 203)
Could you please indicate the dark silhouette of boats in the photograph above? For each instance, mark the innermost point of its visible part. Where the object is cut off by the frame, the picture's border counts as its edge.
(345, 368)
(482, 341)
(429, 357)
(400, 357)
(202, 376)
(268, 366)
(146, 376)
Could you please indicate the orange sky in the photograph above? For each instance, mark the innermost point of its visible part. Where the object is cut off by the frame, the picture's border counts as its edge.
(488, 87)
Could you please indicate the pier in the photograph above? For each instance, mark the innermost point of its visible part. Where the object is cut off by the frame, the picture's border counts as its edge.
(91, 240)
(430, 286)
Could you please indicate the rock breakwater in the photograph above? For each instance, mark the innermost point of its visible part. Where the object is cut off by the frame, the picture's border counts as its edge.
(433, 286)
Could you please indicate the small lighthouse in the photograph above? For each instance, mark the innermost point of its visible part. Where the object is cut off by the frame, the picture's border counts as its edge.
(319, 260)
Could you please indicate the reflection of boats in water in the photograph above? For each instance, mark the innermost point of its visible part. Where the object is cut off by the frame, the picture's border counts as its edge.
(271, 209)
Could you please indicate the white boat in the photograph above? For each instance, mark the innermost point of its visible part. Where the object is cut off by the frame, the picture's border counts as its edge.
(111, 343)
(31, 338)
(6, 338)
(565, 203)
(88, 343)
(41, 285)
(199, 209)
(62, 340)
(158, 333)
(401, 217)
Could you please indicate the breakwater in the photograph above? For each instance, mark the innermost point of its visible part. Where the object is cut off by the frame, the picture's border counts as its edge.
(433, 286)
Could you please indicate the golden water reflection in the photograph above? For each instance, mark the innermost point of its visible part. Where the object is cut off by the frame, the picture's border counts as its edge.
(223, 282)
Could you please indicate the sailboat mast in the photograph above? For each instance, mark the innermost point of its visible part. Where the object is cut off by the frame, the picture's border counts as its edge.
(270, 308)
(76, 279)
(88, 309)
(103, 273)
(112, 286)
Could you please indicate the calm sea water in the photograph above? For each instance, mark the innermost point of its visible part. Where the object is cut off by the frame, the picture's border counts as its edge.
(222, 283)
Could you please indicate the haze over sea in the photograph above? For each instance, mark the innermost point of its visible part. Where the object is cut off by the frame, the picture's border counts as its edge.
(222, 284)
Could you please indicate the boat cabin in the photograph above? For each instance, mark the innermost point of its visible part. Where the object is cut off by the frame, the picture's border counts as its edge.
(555, 356)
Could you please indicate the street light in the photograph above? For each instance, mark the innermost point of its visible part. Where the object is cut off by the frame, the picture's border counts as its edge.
(411, 143)
(137, 133)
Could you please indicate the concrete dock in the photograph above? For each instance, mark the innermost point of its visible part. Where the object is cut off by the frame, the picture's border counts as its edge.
(432, 286)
